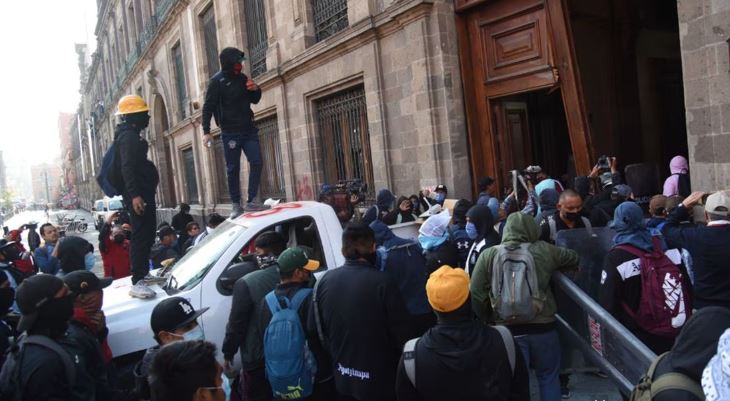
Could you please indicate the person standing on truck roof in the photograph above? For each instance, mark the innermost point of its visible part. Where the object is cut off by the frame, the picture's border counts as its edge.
(140, 178)
(173, 319)
(228, 99)
(242, 330)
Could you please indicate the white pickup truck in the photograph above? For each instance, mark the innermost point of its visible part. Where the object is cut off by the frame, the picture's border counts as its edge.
(204, 275)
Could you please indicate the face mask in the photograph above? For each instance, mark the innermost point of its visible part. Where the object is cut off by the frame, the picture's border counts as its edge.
(119, 238)
(440, 197)
(195, 334)
(428, 242)
(226, 386)
(55, 314)
(7, 296)
(471, 230)
(89, 261)
(574, 217)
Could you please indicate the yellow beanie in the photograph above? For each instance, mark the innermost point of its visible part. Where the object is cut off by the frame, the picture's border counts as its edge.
(447, 289)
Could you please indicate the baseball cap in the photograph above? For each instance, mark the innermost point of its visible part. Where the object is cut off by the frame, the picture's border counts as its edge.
(622, 190)
(718, 203)
(296, 258)
(658, 203)
(32, 294)
(172, 313)
(82, 281)
(447, 289)
(165, 231)
(441, 187)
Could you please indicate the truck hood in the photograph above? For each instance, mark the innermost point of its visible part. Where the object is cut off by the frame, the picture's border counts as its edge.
(128, 318)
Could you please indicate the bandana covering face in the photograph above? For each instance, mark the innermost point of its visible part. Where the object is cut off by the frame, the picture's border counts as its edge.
(87, 309)
(716, 377)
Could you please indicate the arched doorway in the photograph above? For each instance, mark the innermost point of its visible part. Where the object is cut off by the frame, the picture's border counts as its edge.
(162, 148)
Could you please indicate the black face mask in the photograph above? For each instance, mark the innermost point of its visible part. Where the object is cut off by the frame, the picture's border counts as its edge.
(119, 238)
(127, 234)
(7, 296)
(574, 217)
(55, 314)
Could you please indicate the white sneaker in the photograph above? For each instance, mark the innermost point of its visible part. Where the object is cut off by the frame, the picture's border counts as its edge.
(141, 290)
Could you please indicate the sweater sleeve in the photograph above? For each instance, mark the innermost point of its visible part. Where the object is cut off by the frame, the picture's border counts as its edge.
(46, 263)
(212, 97)
(677, 233)
(481, 285)
(609, 292)
(255, 96)
(241, 309)
(565, 259)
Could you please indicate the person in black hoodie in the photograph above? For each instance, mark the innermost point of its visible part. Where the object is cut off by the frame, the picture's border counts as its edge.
(362, 319)
(140, 179)
(692, 350)
(480, 226)
(402, 213)
(461, 358)
(457, 231)
(228, 99)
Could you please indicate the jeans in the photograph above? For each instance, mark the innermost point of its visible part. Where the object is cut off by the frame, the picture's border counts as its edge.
(233, 144)
(542, 353)
(144, 228)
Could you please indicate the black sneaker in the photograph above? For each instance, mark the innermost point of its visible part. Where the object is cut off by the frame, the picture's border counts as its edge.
(236, 210)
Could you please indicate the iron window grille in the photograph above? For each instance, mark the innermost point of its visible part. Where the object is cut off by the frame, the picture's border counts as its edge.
(344, 138)
(210, 40)
(330, 17)
(256, 35)
(181, 88)
(220, 170)
(272, 175)
(191, 183)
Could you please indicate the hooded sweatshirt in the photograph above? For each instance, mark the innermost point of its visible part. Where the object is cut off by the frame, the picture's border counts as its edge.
(482, 218)
(397, 216)
(693, 349)
(383, 203)
(463, 359)
(679, 169)
(521, 228)
(548, 200)
(227, 98)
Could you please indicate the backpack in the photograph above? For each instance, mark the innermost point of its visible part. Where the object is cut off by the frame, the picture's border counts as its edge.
(515, 294)
(409, 353)
(383, 253)
(109, 177)
(290, 365)
(553, 225)
(684, 188)
(665, 303)
(10, 386)
(649, 386)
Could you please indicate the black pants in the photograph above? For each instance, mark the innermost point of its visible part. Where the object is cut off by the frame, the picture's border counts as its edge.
(255, 385)
(143, 237)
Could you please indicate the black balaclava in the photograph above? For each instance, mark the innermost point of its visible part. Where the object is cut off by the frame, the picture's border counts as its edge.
(139, 120)
(230, 59)
(53, 317)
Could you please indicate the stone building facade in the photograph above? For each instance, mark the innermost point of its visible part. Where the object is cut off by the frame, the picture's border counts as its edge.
(704, 27)
(351, 89)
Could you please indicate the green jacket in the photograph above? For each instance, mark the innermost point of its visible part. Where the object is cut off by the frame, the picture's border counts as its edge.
(521, 228)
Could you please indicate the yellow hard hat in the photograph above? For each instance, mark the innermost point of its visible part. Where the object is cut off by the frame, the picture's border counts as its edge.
(131, 104)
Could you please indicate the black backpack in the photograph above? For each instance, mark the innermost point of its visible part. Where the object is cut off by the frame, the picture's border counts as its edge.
(110, 177)
(10, 386)
(684, 188)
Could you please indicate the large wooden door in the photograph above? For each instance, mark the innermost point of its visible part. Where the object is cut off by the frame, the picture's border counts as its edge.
(512, 136)
(509, 47)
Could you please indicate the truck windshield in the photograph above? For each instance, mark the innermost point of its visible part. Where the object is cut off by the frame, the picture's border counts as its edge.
(193, 267)
(115, 204)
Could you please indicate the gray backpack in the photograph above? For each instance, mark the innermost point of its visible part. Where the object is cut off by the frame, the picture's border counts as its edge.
(515, 294)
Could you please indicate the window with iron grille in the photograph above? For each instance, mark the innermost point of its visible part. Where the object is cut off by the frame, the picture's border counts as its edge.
(180, 87)
(272, 175)
(191, 183)
(210, 40)
(256, 35)
(344, 139)
(330, 17)
(220, 171)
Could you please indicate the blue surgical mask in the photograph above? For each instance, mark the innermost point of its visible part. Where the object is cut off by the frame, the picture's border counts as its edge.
(428, 242)
(195, 334)
(440, 197)
(226, 386)
(89, 261)
(471, 230)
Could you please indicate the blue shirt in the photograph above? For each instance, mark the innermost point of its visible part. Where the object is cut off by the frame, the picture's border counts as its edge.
(47, 263)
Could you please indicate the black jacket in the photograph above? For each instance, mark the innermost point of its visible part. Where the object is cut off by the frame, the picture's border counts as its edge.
(365, 324)
(464, 360)
(139, 175)
(708, 246)
(160, 253)
(242, 330)
(180, 221)
(324, 364)
(141, 371)
(229, 102)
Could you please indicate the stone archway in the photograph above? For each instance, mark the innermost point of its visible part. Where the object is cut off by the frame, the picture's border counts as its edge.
(164, 154)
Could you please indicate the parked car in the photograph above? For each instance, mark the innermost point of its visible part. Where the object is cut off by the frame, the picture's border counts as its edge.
(103, 208)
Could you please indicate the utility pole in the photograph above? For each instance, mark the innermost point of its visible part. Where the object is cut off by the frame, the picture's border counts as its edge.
(48, 193)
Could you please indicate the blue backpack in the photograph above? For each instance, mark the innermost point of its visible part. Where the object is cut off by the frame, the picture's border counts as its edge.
(290, 365)
(109, 177)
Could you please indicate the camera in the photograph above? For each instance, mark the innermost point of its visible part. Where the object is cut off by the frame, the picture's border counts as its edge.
(604, 163)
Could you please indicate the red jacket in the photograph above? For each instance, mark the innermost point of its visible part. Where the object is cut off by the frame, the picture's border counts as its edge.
(115, 258)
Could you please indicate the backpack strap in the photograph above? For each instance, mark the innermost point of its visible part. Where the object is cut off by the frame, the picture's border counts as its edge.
(553, 228)
(273, 302)
(317, 315)
(676, 381)
(509, 345)
(588, 225)
(299, 297)
(68, 363)
(409, 359)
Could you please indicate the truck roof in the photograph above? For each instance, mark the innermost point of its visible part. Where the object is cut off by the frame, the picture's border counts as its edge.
(282, 211)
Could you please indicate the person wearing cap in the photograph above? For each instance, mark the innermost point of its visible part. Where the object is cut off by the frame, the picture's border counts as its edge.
(537, 338)
(173, 319)
(88, 315)
(363, 320)
(46, 305)
(440, 194)
(242, 329)
(114, 248)
(707, 245)
(140, 178)
(460, 358)
(295, 273)
(166, 248)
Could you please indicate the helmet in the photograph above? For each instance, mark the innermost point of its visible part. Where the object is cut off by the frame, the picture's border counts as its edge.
(131, 104)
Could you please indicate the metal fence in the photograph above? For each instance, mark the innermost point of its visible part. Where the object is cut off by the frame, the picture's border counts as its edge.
(256, 35)
(344, 137)
(330, 17)
(272, 176)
